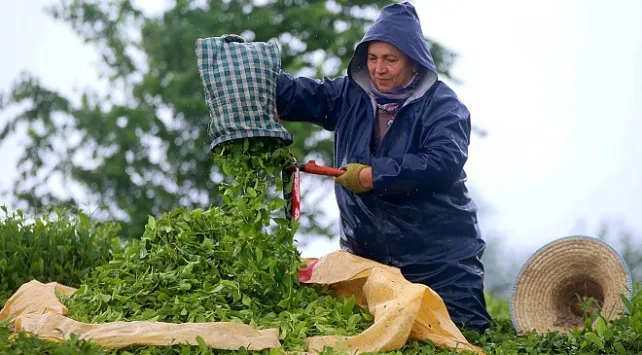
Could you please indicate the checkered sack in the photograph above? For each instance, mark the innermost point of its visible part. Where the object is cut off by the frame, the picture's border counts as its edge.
(239, 80)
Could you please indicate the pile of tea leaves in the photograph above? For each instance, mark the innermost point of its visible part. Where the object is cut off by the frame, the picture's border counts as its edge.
(234, 262)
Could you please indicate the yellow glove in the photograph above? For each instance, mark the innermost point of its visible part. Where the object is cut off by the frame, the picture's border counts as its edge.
(350, 179)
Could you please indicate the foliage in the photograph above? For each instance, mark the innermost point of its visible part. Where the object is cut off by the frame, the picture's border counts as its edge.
(237, 262)
(142, 147)
(62, 248)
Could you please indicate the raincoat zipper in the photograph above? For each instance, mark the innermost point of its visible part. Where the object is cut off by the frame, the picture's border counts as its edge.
(376, 154)
(373, 109)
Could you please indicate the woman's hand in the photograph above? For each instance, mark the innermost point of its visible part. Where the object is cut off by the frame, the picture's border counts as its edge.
(365, 178)
(357, 178)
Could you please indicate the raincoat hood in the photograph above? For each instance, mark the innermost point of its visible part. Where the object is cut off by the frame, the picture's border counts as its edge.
(398, 25)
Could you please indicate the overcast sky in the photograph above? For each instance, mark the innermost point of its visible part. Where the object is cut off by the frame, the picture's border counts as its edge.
(557, 85)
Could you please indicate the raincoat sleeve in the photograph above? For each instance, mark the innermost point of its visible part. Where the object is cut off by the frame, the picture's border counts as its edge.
(438, 160)
(308, 100)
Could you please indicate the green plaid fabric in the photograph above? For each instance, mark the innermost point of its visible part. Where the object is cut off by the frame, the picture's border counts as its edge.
(239, 80)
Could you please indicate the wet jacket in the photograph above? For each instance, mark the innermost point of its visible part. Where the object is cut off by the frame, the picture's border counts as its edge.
(419, 216)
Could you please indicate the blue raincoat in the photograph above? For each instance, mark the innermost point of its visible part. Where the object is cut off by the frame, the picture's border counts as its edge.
(419, 216)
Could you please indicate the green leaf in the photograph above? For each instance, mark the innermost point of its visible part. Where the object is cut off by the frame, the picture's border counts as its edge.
(247, 301)
(151, 222)
(348, 305)
(626, 302)
(595, 339)
(601, 326)
(619, 349)
(226, 169)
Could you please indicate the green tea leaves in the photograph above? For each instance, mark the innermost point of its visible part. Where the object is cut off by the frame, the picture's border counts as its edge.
(234, 262)
(59, 246)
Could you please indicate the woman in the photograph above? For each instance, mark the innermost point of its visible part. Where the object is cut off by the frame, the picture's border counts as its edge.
(403, 136)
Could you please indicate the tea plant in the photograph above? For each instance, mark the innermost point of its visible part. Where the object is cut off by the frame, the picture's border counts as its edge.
(62, 248)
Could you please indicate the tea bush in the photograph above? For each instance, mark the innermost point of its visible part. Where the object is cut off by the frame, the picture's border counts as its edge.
(57, 247)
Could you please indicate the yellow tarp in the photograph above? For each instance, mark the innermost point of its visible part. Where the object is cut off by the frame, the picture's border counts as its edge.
(35, 309)
(402, 310)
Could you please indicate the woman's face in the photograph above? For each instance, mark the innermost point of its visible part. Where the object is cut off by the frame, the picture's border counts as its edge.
(388, 66)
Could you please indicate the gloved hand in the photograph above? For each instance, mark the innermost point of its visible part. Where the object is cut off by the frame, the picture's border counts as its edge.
(350, 179)
(233, 38)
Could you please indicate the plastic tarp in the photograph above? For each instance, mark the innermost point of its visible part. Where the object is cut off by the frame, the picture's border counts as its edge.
(402, 310)
(35, 309)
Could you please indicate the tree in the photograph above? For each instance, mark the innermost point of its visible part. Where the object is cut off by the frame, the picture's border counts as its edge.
(142, 148)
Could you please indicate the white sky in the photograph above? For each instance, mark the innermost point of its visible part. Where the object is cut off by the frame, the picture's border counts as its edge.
(554, 83)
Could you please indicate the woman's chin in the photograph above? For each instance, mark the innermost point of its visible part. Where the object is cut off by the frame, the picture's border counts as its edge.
(384, 87)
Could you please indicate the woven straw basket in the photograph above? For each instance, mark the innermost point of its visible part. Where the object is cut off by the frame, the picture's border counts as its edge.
(548, 291)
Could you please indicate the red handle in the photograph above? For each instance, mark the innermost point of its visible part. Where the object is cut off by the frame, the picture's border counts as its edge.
(295, 210)
(311, 167)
